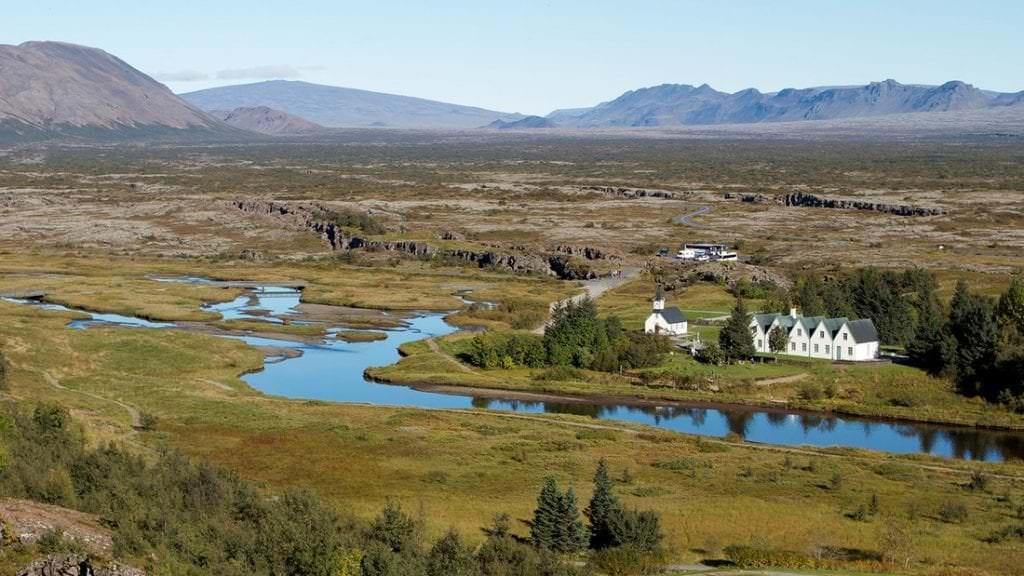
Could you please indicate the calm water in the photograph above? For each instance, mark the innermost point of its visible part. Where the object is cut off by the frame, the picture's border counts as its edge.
(333, 371)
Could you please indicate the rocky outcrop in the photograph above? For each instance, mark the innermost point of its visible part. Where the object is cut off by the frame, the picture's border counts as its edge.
(630, 192)
(76, 565)
(812, 201)
(312, 216)
(587, 252)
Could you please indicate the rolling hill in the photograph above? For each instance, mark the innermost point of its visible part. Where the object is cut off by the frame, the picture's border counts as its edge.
(337, 107)
(267, 121)
(54, 89)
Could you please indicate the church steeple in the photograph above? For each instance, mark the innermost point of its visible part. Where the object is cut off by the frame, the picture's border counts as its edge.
(659, 299)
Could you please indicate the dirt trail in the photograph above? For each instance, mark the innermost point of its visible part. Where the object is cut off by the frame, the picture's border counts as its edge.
(594, 288)
(132, 411)
(432, 344)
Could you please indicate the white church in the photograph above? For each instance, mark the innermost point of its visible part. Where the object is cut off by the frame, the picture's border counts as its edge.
(668, 321)
(818, 337)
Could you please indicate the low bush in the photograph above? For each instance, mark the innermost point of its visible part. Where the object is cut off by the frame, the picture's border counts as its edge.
(765, 557)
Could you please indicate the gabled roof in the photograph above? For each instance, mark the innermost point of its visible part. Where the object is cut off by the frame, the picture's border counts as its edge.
(672, 315)
(765, 320)
(863, 331)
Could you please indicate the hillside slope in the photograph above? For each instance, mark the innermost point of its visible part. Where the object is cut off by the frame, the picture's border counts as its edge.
(53, 88)
(267, 121)
(337, 107)
(680, 104)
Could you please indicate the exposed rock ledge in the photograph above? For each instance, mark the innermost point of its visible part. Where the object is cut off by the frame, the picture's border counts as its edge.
(812, 201)
(630, 192)
(313, 216)
(76, 565)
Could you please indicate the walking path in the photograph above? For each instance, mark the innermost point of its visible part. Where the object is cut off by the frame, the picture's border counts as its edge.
(593, 289)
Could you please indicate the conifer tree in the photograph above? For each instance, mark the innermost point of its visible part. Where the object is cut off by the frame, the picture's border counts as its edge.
(547, 517)
(602, 503)
(972, 323)
(572, 534)
(735, 339)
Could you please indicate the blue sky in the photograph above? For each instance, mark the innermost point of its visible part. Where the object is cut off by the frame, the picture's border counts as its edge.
(534, 56)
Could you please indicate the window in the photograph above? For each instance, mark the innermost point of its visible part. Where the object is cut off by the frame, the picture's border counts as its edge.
(845, 336)
(799, 331)
(849, 350)
(827, 349)
(815, 348)
(760, 343)
(821, 333)
(803, 346)
(792, 346)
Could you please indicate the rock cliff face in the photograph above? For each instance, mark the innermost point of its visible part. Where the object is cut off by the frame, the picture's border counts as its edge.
(76, 565)
(563, 263)
(630, 192)
(811, 201)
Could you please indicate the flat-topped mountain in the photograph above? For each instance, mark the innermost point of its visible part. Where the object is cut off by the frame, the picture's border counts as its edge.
(337, 107)
(681, 104)
(52, 88)
(267, 121)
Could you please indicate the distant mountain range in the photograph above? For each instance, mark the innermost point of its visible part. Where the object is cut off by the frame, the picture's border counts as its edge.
(267, 121)
(58, 90)
(681, 104)
(55, 89)
(337, 107)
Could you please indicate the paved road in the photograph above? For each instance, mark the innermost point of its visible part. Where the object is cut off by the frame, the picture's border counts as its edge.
(687, 219)
(596, 287)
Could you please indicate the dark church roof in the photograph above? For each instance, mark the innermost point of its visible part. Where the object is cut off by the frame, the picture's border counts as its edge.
(672, 315)
(863, 331)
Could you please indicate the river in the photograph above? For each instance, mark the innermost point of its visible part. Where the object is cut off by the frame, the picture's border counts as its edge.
(332, 370)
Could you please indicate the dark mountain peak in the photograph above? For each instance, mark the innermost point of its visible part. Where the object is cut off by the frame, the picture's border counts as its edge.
(528, 123)
(266, 120)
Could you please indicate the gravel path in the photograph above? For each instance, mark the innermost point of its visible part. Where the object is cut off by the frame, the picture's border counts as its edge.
(687, 219)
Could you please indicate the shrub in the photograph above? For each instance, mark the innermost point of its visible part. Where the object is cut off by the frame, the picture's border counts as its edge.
(626, 561)
(559, 374)
(811, 391)
(765, 557)
(711, 354)
(953, 512)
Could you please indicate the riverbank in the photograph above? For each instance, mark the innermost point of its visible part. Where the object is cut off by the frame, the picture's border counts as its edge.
(460, 467)
(878, 391)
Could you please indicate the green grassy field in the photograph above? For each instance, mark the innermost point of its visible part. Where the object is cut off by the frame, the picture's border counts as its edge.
(460, 467)
(878, 390)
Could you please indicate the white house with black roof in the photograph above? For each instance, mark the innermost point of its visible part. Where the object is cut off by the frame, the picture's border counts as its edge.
(669, 321)
(818, 337)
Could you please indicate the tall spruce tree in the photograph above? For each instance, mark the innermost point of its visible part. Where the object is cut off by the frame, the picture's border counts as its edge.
(972, 324)
(547, 518)
(736, 339)
(601, 506)
(932, 347)
(1010, 310)
(572, 534)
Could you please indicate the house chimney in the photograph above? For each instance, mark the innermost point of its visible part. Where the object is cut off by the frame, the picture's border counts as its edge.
(792, 313)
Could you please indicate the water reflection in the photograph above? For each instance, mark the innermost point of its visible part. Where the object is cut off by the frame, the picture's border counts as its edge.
(333, 371)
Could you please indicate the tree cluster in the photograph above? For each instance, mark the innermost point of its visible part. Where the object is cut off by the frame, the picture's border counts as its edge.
(892, 300)
(557, 524)
(576, 336)
(976, 340)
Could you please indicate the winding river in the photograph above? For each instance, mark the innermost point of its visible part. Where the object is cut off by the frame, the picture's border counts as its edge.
(332, 370)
